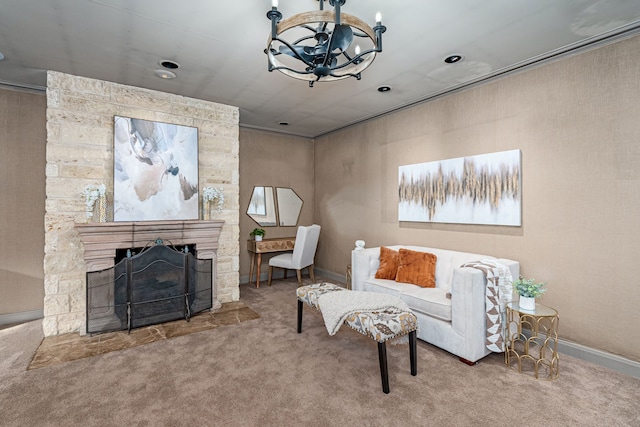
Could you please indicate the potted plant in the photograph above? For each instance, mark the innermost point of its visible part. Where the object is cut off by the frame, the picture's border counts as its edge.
(257, 234)
(529, 290)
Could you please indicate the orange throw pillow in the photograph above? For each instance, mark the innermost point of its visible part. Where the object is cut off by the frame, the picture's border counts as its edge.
(416, 267)
(388, 264)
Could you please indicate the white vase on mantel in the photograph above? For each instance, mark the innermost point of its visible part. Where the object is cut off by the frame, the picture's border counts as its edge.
(527, 303)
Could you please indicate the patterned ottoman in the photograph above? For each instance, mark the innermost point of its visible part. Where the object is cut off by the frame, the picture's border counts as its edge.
(380, 325)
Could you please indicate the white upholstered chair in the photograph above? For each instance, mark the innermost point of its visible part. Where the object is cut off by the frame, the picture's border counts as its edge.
(304, 252)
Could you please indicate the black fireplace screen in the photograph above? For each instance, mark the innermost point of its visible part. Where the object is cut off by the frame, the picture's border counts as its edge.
(158, 285)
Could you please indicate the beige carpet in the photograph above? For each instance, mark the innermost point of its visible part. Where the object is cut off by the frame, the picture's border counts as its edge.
(262, 373)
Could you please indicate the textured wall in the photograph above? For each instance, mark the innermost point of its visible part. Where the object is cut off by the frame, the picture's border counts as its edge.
(277, 160)
(22, 139)
(576, 122)
(80, 151)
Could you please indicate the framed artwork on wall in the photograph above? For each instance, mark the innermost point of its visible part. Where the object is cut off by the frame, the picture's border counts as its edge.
(483, 189)
(155, 173)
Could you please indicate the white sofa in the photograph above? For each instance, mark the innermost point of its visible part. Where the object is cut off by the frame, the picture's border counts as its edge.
(456, 324)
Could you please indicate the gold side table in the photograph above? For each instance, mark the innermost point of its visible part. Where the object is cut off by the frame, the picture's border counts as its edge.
(532, 340)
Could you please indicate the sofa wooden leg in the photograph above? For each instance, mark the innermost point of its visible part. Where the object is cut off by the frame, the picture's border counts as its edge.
(270, 273)
(384, 372)
(313, 278)
(300, 316)
(467, 362)
(299, 273)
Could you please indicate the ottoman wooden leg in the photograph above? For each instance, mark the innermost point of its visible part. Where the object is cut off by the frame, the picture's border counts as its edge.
(300, 303)
(412, 353)
(384, 372)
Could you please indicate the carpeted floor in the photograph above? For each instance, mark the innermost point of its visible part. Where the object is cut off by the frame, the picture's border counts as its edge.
(260, 372)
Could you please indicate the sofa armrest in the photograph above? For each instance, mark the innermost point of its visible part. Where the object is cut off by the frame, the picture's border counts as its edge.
(468, 302)
(364, 264)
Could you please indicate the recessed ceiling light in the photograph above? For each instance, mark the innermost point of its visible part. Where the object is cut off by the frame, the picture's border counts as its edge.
(452, 59)
(284, 123)
(384, 88)
(167, 63)
(165, 74)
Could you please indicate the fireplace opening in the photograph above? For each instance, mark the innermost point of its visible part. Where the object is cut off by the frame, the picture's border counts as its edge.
(155, 284)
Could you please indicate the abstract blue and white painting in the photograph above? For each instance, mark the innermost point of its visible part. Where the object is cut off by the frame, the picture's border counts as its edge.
(155, 174)
(482, 189)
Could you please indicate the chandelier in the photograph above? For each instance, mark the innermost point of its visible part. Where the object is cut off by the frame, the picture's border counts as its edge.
(322, 45)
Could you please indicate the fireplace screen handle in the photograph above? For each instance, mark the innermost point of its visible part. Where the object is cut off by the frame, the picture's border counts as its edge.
(187, 315)
(129, 317)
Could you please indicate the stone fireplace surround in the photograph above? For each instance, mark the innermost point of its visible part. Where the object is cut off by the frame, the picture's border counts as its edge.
(101, 240)
(79, 152)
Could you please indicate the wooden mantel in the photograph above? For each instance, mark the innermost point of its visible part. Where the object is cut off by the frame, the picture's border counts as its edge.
(101, 240)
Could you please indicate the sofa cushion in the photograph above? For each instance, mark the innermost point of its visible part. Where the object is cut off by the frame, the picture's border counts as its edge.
(430, 301)
(418, 268)
(384, 286)
(388, 264)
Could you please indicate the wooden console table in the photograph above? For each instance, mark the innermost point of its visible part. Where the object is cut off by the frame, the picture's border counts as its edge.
(276, 244)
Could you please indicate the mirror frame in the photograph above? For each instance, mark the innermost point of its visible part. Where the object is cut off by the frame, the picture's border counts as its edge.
(289, 207)
(262, 208)
(266, 206)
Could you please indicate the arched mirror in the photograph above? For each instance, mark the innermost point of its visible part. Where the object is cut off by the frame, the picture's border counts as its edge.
(289, 207)
(262, 207)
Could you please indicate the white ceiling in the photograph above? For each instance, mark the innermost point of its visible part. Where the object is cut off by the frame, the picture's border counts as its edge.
(220, 44)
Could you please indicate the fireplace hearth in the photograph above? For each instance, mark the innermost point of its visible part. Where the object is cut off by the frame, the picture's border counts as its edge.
(159, 284)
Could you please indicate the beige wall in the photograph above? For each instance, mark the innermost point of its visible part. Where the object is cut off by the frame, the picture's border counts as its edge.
(576, 122)
(277, 160)
(80, 152)
(22, 159)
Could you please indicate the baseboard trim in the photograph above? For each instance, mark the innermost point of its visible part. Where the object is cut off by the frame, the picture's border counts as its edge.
(340, 279)
(278, 273)
(599, 357)
(21, 317)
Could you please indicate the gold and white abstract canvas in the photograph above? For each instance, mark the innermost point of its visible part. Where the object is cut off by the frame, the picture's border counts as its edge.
(483, 189)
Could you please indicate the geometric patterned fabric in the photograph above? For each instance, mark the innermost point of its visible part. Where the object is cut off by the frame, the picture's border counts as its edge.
(498, 293)
(379, 325)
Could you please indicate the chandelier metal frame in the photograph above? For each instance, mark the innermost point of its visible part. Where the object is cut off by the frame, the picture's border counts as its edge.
(332, 57)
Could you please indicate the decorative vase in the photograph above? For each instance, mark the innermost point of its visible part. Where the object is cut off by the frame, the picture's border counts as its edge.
(258, 238)
(527, 303)
(206, 210)
(102, 208)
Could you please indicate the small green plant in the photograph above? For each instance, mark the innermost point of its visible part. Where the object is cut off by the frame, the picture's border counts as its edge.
(529, 287)
(257, 232)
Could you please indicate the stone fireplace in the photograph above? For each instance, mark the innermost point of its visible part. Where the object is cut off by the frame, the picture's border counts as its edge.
(80, 117)
(101, 240)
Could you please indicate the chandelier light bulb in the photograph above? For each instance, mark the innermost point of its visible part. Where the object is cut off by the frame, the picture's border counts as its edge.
(378, 16)
(357, 49)
(274, 3)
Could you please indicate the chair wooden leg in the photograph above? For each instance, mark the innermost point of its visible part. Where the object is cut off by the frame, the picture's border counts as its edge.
(270, 273)
(285, 273)
(313, 279)
(299, 273)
